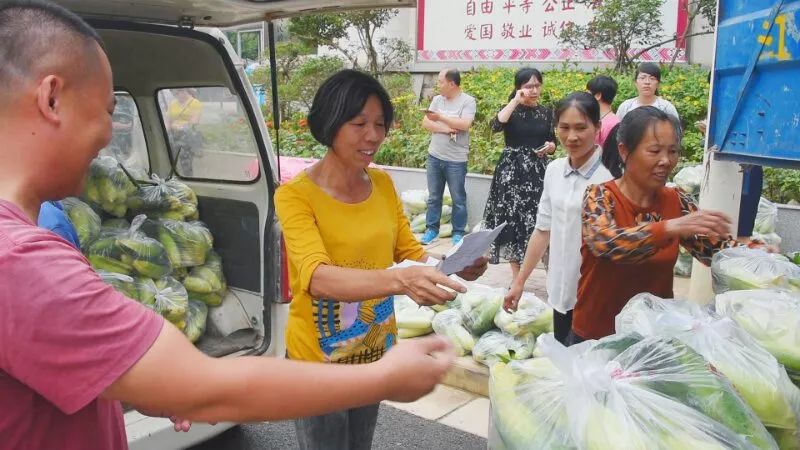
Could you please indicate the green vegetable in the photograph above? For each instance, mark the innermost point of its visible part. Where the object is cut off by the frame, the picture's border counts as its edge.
(84, 219)
(196, 317)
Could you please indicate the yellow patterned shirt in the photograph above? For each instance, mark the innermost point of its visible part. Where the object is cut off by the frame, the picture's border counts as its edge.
(319, 229)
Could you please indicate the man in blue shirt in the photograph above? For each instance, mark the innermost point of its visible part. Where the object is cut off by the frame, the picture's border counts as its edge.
(53, 218)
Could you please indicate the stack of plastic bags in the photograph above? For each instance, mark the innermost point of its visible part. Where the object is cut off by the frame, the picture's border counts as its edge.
(757, 376)
(622, 392)
(415, 205)
(741, 268)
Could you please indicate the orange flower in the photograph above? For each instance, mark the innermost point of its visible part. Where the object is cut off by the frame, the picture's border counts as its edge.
(302, 122)
(269, 124)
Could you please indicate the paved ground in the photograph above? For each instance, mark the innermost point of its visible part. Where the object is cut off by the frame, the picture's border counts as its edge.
(396, 430)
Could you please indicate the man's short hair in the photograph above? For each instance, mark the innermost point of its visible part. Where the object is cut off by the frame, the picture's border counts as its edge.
(453, 75)
(341, 98)
(605, 86)
(32, 32)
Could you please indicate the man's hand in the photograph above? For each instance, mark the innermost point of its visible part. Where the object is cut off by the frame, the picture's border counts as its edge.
(412, 368)
(476, 270)
(434, 116)
(511, 300)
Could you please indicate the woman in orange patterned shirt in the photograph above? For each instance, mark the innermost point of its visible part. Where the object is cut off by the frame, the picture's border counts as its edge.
(632, 226)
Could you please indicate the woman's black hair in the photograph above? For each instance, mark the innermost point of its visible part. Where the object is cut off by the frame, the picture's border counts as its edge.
(610, 157)
(584, 102)
(651, 69)
(637, 122)
(341, 98)
(523, 76)
(605, 86)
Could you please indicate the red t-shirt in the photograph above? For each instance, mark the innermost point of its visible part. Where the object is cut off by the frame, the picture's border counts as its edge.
(65, 336)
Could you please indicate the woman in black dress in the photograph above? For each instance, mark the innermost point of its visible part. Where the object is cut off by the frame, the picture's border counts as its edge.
(517, 185)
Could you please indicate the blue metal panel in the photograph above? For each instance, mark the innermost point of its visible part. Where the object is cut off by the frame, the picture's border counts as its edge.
(756, 118)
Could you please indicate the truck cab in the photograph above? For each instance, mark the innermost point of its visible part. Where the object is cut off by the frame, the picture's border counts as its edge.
(160, 51)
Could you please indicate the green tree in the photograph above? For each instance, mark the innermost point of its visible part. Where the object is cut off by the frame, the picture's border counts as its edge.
(619, 25)
(331, 30)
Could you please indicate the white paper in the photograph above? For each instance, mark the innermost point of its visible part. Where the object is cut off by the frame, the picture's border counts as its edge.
(472, 247)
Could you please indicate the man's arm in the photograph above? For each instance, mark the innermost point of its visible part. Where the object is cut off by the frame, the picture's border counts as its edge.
(457, 123)
(436, 127)
(174, 376)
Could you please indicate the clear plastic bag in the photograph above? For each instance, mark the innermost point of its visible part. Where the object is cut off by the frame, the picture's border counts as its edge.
(741, 268)
(105, 253)
(450, 324)
(414, 201)
(638, 398)
(689, 179)
(146, 255)
(168, 199)
(196, 318)
(207, 283)
(412, 319)
(496, 346)
(85, 220)
(186, 243)
(766, 217)
(772, 318)
(532, 316)
(141, 289)
(479, 305)
(758, 377)
(108, 187)
(171, 301)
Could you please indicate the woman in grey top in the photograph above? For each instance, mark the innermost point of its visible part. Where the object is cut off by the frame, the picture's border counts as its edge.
(647, 80)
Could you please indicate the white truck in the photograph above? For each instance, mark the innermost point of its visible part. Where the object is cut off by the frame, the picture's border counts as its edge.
(161, 50)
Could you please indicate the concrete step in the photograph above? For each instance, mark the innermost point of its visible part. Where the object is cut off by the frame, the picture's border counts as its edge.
(469, 376)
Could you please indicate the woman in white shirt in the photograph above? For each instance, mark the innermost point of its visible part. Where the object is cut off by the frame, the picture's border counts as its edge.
(558, 221)
(647, 80)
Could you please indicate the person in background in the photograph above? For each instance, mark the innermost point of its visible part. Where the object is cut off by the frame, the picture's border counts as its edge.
(183, 116)
(449, 119)
(52, 217)
(647, 80)
(344, 226)
(73, 349)
(558, 221)
(604, 89)
(611, 158)
(528, 130)
(632, 226)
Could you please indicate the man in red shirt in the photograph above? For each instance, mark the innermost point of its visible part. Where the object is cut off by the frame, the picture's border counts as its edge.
(72, 348)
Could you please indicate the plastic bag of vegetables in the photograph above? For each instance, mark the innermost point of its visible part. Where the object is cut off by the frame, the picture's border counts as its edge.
(143, 290)
(196, 318)
(479, 305)
(108, 187)
(758, 377)
(414, 201)
(517, 424)
(105, 253)
(417, 223)
(496, 346)
(207, 283)
(766, 217)
(450, 324)
(146, 255)
(186, 243)
(167, 199)
(772, 317)
(117, 223)
(689, 179)
(171, 301)
(532, 316)
(412, 319)
(85, 220)
(741, 268)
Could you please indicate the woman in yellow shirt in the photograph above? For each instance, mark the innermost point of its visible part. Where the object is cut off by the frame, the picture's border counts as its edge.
(183, 115)
(343, 224)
